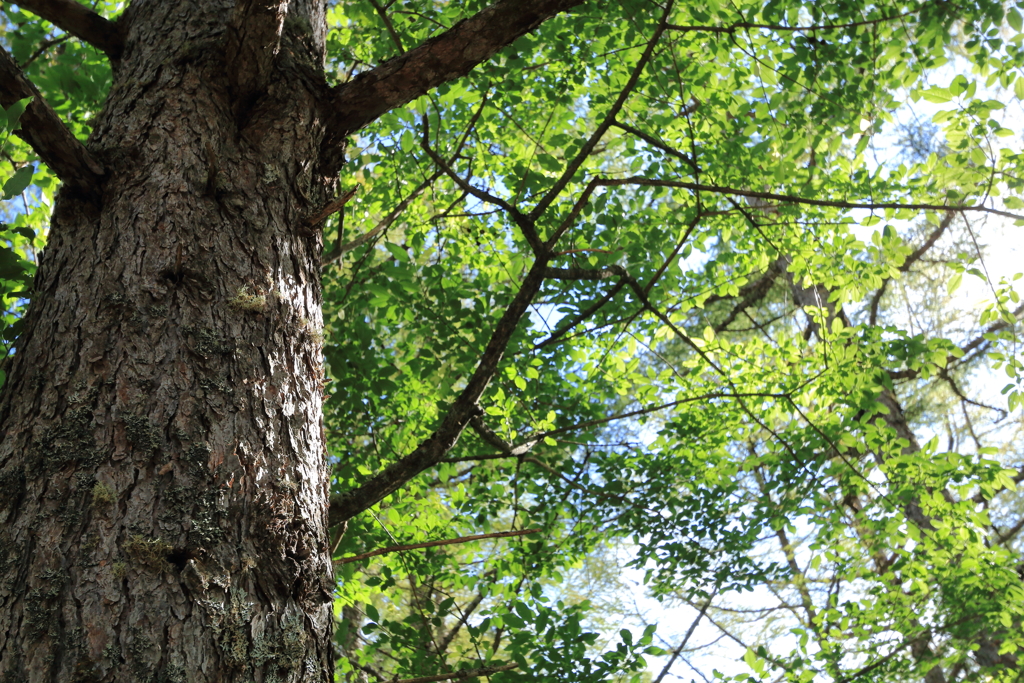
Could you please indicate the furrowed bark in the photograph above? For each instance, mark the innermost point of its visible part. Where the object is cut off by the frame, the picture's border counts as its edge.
(449, 56)
(45, 132)
(163, 473)
(81, 22)
(254, 41)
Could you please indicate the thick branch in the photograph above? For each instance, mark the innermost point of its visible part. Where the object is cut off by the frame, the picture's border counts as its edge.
(441, 59)
(45, 132)
(81, 22)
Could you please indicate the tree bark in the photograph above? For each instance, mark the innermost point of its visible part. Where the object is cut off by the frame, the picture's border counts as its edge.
(163, 471)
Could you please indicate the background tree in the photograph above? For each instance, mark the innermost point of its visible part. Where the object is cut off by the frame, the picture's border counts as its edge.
(556, 221)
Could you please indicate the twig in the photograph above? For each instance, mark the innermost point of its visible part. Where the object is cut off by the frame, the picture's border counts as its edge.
(582, 316)
(595, 137)
(43, 47)
(340, 248)
(332, 207)
(732, 28)
(654, 142)
(771, 196)
(460, 675)
(432, 544)
(488, 435)
(915, 256)
(525, 224)
(382, 13)
(686, 639)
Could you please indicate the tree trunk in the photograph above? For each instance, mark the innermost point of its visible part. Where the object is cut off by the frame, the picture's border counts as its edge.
(163, 472)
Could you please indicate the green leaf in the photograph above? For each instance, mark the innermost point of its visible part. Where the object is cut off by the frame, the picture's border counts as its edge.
(13, 114)
(372, 612)
(11, 267)
(398, 252)
(937, 95)
(958, 85)
(954, 283)
(17, 183)
(1013, 18)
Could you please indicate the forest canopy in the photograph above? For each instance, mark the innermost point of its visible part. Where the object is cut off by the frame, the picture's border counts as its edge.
(694, 275)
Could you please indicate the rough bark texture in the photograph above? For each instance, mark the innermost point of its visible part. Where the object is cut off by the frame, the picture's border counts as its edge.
(163, 471)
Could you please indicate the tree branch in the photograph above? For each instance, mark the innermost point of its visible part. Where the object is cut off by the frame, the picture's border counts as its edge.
(331, 207)
(752, 292)
(81, 22)
(582, 315)
(441, 59)
(461, 675)
(433, 544)
(45, 132)
(792, 199)
(595, 137)
(914, 257)
(574, 273)
(686, 639)
(383, 14)
(524, 223)
(966, 349)
(346, 505)
(506, 449)
(732, 28)
(658, 144)
(343, 247)
(467, 612)
(41, 50)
